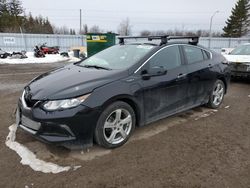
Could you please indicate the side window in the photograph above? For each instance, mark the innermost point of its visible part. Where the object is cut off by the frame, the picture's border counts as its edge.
(168, 58)
(193, 54)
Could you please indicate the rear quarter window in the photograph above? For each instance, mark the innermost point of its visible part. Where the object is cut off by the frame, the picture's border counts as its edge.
(206, 55)
(193, 54)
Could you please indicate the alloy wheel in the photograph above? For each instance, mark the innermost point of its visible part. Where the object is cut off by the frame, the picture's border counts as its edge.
(117, 126)
(218, 94)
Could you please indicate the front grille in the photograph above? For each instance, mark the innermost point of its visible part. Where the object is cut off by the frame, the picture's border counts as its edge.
(27, 99)
(30, 103)
(240, 67)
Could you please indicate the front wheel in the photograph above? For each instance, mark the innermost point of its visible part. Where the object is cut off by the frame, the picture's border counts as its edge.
(217, 95)
(115, 125)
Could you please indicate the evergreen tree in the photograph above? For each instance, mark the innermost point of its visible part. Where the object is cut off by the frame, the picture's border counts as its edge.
(4, 15)
(12, 17)
(15, 8)
(48, 27)
(238, 23)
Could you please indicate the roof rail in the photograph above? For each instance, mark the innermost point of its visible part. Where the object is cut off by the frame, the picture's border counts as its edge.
(194, 40)
(150, 38)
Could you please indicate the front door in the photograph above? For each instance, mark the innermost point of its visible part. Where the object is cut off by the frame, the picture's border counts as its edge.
(165, 94)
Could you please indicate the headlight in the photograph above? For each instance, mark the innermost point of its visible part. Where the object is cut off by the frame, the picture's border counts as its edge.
(64, 104)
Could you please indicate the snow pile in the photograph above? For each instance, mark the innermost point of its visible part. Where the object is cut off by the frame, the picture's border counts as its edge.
(29, 158)
(49, 58)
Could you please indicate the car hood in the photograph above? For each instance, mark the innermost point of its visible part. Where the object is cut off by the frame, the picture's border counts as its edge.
(71, 81)
(238, 58)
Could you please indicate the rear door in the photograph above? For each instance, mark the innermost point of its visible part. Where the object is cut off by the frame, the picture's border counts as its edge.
(165, 94)
(200, 74)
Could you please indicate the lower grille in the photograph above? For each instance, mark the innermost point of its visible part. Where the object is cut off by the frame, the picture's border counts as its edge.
(30, 123)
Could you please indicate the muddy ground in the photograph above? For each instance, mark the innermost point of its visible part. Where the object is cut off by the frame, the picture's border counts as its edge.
(198, 148)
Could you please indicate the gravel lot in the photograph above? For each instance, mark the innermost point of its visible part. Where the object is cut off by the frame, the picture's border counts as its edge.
(198, 148)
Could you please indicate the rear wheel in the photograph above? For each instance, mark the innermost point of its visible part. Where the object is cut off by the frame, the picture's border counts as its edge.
(217, 95)
(115, 125)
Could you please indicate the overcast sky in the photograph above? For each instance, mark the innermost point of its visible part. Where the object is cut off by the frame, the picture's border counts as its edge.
(150, 15)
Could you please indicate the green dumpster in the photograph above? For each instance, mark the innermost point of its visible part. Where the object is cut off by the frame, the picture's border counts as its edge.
(97, 42)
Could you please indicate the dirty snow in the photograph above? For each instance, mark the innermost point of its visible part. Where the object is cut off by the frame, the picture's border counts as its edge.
(49, 58)
(226, 107)
(30, 159)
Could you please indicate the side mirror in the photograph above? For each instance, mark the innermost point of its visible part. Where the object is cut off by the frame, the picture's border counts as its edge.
(154, 71)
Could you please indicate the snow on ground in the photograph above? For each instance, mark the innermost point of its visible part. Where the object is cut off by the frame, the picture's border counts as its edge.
(49, 58)
(29, 158)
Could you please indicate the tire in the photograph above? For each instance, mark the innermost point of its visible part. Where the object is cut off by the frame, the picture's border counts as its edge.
(115, 125)
(217, 94)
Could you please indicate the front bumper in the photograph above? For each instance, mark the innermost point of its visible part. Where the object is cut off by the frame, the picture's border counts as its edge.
(240, 70)
(74, 125)
(240, 74)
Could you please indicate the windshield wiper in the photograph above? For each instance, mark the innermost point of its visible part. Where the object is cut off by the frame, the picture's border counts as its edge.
(96, 66)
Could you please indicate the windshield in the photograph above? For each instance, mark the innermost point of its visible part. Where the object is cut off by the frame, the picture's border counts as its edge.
(118, 56)
(241, 50)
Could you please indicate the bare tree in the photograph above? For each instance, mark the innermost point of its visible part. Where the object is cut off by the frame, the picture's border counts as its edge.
(145, 33)
(61, 30)
(124, 28)
(95, 29)
(85, 30)
(176, 32)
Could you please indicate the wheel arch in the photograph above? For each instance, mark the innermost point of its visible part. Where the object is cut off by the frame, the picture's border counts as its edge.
(129, 100)
(224, 82)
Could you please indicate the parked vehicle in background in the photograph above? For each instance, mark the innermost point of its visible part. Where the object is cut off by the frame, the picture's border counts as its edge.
(102, 98)
(38, 52)
(18, 55)
(226, 51)
(49, 49)
(239, 60)
(4, 54)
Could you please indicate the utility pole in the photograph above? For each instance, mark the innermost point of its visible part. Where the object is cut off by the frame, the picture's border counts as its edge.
(80, 21)
(210, 28)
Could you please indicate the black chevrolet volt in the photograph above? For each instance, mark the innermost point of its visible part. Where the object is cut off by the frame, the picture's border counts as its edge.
(103, 98)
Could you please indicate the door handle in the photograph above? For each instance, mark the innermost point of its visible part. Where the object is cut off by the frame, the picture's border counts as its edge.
(181, 75)
(210, 66)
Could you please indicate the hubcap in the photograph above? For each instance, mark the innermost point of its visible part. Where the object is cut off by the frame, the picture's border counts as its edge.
(117, 126)
(218, 94)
